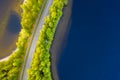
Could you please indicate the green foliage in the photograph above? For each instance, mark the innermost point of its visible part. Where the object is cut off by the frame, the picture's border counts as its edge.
(31, 9)
(10, 69)
(40, 66)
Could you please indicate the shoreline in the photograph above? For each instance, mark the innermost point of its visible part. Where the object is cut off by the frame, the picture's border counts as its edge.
(18, 14)
(60, 36)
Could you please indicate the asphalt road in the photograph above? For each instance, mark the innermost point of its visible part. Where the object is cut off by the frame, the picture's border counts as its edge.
(31, 50)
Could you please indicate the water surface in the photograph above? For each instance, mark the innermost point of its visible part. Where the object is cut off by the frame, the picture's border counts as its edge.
(93, 46)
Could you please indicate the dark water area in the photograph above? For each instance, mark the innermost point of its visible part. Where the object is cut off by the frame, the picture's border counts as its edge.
(13, 25)
(92, 50)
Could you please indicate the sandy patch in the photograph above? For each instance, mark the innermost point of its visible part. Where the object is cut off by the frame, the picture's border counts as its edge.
(60, 36)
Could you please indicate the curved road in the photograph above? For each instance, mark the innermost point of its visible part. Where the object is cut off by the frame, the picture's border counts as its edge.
(31, 50)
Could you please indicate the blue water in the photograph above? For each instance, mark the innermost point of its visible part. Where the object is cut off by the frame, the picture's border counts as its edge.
(93, 47)
(13, 25)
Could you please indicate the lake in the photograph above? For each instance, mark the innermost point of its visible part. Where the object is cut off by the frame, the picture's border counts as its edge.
(9, 26)
(92, 50)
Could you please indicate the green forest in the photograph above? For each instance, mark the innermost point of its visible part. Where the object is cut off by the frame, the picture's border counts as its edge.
(40, 65)
(10, 69)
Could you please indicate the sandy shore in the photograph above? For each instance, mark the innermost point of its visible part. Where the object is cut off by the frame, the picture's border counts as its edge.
(60, 37)
(7, 47)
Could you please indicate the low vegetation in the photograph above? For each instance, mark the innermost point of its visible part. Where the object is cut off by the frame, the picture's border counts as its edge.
(40, 66)
(10, 69)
